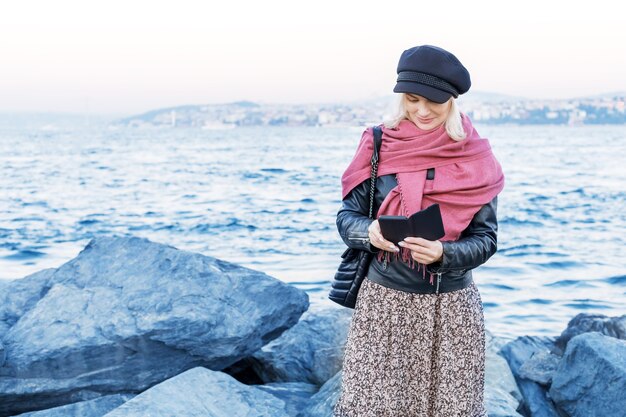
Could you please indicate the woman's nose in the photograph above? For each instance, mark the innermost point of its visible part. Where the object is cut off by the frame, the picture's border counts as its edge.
(422, 110)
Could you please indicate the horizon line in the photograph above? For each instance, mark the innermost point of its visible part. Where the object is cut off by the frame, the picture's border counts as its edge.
(261, 102)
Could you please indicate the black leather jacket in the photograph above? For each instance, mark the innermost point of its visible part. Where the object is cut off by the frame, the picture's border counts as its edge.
(477, 243)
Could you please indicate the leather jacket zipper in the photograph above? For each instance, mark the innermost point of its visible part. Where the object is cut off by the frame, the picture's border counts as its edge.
(438, 281)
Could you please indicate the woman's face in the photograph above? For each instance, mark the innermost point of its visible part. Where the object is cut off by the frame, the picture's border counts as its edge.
(426, 114)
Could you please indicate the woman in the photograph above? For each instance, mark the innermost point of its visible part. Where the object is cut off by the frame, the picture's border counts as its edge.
(416, 344)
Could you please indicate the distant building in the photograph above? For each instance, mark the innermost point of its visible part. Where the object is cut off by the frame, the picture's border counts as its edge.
(609, 110)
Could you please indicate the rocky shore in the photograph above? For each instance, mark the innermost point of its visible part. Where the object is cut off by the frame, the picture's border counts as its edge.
(135, 328)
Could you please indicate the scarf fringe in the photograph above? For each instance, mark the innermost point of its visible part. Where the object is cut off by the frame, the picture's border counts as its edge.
(405, 256)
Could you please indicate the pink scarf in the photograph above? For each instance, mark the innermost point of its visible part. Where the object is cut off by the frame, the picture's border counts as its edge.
(467, 175)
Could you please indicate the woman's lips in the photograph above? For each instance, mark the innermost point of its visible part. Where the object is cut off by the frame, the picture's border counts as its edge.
(424, 120)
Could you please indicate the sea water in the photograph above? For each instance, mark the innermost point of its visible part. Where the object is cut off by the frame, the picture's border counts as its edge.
(266, 198)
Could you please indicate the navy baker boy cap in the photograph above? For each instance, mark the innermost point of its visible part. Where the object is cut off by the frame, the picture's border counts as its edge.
(431, 72)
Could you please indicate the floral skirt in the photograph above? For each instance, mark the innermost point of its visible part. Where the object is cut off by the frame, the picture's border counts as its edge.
(414, 355)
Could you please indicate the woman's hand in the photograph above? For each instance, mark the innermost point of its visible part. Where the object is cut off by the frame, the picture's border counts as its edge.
(377, 239)
(423, 251)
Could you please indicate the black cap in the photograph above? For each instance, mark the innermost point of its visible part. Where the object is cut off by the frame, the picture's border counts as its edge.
(431, 72)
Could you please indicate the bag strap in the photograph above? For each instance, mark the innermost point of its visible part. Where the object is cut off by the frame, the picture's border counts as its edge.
(378, 140)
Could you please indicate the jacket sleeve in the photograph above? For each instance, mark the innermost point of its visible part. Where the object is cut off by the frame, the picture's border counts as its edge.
(353, 220)
(477, 243)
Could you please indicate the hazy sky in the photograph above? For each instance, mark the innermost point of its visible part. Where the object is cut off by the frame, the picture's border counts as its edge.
(122, 57)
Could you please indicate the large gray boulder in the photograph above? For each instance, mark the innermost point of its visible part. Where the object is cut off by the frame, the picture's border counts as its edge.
(200, 392)
(536, 402)
(540, 367)
(500, 403)
(91, 408)
(502, 396)
(20, 295)
(323, 402)
(311, 351)
(295, 395)
(591, 378)
(128, 313)
(495, 343)
(584, 323)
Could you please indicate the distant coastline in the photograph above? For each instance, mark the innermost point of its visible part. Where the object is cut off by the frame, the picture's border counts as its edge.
(482, 107)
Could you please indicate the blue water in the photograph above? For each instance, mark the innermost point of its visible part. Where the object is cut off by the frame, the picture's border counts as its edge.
(267, 199)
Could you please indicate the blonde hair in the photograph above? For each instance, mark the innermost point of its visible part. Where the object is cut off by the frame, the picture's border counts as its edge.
(453, 123)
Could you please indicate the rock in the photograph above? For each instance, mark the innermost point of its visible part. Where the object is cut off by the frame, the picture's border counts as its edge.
(518, 351)
(540, 367)
(295, 395)
(322, 403)
(497, 370)
(20, 295)
(128, 313)
(311, 351)
(591, 378)
(201, 392)
(493, 342)
(92, 408)
(502, 396)
(583, 323)
(536, 402)
(500, 403)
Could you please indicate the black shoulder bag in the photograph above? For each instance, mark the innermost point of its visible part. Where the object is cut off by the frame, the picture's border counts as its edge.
(355, 262)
